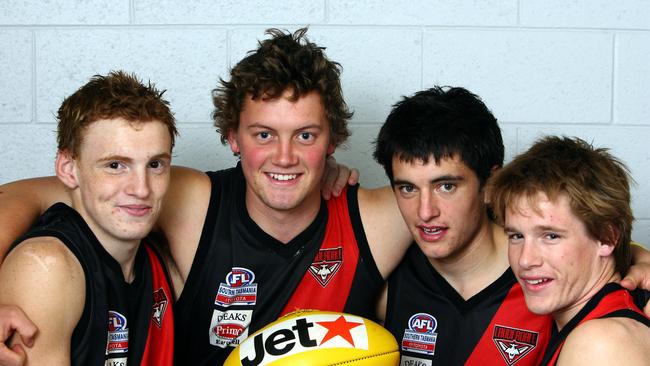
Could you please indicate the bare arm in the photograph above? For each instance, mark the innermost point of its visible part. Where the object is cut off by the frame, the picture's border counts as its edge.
(182, 218)
(21, 203)
(387, 234)
(612, 341)
(45, 280)
(14, 321)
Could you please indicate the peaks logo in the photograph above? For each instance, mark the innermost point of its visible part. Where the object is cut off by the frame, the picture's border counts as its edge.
(118, 333)
(239, 288)
(420, 337)
(326, 264)
(302, 334)
(513, 343)
(229, 328)
(159, 307)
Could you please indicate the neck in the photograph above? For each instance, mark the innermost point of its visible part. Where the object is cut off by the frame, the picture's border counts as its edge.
(563, 316)
(283, 225)
(479, 263)
(123, 251)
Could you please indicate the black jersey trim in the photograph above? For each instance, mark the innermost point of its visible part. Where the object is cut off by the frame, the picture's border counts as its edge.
(505, 280)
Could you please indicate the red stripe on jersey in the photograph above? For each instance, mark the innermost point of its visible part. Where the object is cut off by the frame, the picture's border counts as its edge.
(514, 336)
(159, 349)
(327, 282)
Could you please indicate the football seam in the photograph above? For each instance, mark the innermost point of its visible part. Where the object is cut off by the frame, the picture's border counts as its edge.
(363, 358)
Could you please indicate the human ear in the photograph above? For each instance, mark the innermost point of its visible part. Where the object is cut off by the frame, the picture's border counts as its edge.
(65, 169)
(232, 141)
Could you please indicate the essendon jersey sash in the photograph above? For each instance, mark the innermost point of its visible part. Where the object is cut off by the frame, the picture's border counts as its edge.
(159, 349)
(327, 282)
(505, 339)
(611, 301)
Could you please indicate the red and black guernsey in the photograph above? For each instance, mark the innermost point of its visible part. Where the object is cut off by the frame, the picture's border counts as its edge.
(122, 323)
(612, 301)
(434, 325)
(242, 278)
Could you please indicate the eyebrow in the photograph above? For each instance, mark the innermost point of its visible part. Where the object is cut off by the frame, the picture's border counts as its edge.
(306, 127)
(444, 178)
(537, 228)
(128, 159)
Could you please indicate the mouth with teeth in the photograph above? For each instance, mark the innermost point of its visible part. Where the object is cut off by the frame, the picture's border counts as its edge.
(432, 233)
(282, 177)
(535, 283)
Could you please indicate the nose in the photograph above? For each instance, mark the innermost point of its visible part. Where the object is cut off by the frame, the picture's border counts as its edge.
(528, 255)
(284, 153)
(428, 208)
(139, 184)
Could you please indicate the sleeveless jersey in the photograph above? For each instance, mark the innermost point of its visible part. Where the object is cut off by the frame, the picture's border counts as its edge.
(242, 278)
(612, 301)
(434, 325)
(121, 324)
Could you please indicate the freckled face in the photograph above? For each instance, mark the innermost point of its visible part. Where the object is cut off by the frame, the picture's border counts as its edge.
(283, 146)
(557, 262)
(122, 172)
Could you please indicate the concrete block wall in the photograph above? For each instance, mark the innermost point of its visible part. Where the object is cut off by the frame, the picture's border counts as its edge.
(573, 67)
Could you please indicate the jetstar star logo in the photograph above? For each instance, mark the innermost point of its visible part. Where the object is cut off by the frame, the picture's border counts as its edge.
(513, 343)
(326, 264)
(301, 334)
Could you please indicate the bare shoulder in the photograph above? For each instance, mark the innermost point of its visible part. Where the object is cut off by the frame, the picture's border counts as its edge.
(44, 279)
(385, 229)
(609, 341)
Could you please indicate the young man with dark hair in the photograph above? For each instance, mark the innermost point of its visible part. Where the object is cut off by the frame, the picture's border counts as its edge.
(566, 210)
(84, 274)
(453, 299)
(256, 241)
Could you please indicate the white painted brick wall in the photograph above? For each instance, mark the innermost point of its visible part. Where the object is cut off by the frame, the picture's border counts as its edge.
(574, 67)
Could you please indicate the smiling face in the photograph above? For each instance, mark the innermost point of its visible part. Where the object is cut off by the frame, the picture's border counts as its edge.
(559, 265)
(119, 177)
(442, 204)
(283, 146)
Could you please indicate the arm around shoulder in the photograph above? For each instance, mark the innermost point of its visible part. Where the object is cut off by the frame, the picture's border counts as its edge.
(21, 203)
(610, 341)
(43, 278)
(183, 214)
(387, 234)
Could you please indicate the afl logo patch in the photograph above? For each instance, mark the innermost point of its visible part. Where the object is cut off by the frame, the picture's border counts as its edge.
(118, 333)
(326, 264)
(239, 277)
(420, 337)
(239, 288)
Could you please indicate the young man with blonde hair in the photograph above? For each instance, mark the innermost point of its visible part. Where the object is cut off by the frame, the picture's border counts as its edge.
(566, 210)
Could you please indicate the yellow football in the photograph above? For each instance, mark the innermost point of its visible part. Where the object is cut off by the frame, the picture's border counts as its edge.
(317, 338)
